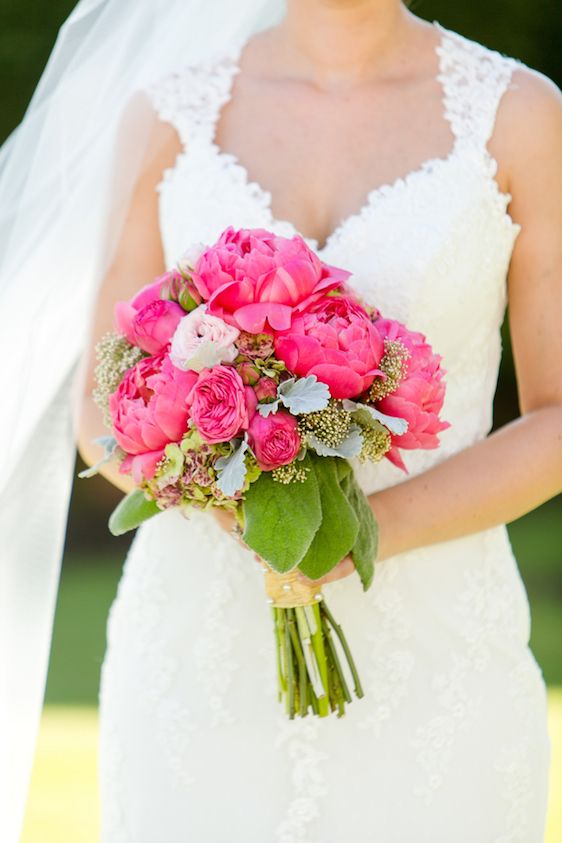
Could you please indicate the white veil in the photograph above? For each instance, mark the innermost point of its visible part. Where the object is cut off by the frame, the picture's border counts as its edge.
(59, 201)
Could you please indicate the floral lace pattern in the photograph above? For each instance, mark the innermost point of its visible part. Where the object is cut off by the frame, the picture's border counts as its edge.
(440, 640)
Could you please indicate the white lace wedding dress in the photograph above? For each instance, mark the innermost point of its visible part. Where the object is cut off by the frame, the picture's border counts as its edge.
(450, 741)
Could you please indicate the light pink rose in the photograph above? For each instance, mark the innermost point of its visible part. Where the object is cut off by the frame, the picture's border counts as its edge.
(201, 341)
(274, 439)
(221, 406)
(336, 341)
(419, 397)
(148, 410)
(257, 281)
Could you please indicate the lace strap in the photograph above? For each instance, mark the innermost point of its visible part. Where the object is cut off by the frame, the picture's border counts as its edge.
(474, 78)
(191, 97)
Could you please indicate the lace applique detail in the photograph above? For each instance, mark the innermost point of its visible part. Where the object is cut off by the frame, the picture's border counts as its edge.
(474, 79)
(112, 759)
(515, 765)
(213, 650)
(191, 98)
(300, 739)
(392, 658)
(435, 740)
(140, 605)
(486, 609)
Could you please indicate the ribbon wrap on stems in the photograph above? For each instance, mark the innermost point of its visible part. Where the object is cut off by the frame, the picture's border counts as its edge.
(287, 591)
(310, 672)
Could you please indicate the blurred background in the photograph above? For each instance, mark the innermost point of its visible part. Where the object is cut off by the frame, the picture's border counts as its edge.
(63, 802)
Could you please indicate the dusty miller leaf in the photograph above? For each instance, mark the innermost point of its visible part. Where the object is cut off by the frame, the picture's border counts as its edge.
(350, 447)
(231, 470)
(395, 424)
(266, 409)
(304, 395)
(109, 444)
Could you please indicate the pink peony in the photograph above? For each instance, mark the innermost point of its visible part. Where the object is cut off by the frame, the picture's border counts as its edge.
(274, 439)
(419, 397)
(221, 406)
(149, 410)
(202, 341)
(258, 281)
(336, 341)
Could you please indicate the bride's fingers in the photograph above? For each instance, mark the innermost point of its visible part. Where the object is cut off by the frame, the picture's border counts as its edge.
(341, 570)
(260, 562)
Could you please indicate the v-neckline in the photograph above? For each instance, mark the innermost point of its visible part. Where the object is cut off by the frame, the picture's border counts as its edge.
(265, 197)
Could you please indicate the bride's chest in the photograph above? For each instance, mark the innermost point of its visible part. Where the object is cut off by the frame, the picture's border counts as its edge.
(431, 249)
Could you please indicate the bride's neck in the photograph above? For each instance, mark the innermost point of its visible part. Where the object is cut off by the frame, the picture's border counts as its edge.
(339, 42)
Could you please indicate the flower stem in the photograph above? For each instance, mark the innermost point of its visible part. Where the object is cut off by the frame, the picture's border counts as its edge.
(278, 652)
(337, 664)
(339, 632)
(303, 676)
(290, 672)
(320, 654)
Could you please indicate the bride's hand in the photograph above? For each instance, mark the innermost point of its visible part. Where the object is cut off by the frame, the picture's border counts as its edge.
(227, 521)
(341, 570)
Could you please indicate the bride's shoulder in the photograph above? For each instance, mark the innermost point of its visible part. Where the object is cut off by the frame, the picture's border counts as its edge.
(194, 90)
(528, 100)
(485, 62)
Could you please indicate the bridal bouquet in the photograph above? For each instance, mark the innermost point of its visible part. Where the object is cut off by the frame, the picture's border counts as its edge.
(247, 378)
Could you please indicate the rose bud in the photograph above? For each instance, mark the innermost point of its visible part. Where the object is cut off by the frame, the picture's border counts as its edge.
(248, 372)
(266, 389)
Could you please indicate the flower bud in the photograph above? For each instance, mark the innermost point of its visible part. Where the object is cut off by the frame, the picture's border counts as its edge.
(265, 389)
(248, 372)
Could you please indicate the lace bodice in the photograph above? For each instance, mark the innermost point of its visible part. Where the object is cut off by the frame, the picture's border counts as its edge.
(432, 248)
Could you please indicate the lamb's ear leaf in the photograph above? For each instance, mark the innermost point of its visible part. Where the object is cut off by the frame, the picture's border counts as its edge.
(364, 551)
(131, 512)
(337, 533)
(281, 519)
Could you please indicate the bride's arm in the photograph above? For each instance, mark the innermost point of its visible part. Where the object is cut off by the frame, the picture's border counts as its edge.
(519, 466)
(138, 260)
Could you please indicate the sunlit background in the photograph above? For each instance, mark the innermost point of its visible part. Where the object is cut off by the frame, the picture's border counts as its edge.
(63, 806)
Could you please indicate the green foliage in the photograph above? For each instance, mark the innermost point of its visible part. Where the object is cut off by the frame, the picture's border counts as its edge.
(338, 530)
(281, 519)
(364, 550)
(314, 524)
(131, 512)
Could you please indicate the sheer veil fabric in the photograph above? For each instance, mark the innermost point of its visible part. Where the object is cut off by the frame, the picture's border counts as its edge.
(65, 177)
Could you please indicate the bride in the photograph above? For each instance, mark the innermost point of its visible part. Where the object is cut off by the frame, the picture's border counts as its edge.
(430, 166)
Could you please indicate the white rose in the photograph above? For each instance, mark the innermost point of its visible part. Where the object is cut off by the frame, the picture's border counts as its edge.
(201, 341)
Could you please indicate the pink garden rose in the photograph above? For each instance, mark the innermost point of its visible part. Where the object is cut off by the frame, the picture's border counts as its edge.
(147, 320)
(258, 281)
(221, 406)
(419, 397)
(274, 439)
(336, 341)
(202, 341)
(149, 410)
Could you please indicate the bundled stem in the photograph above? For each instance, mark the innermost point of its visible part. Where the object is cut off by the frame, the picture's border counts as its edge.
(310, 670)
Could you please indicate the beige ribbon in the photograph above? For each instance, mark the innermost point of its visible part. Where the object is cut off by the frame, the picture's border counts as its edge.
(289, 590)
